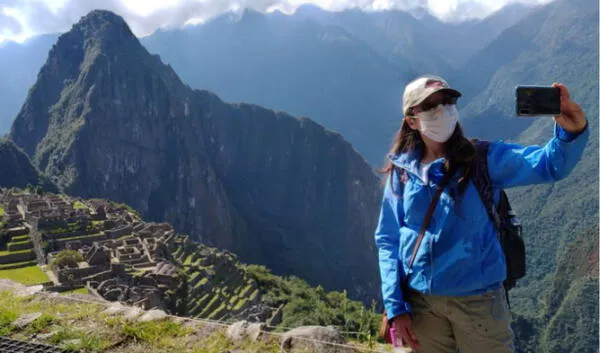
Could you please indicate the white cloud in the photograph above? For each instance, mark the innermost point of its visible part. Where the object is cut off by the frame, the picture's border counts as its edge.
(20, 19)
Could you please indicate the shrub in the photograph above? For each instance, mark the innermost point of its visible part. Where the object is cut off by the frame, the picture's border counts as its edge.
(66, 258)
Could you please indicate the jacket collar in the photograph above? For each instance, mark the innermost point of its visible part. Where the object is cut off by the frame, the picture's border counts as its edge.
(409, 161)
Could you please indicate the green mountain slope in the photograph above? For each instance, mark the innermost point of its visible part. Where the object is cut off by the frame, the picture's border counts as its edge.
(569, 320)
(16, 169)
(556, 42)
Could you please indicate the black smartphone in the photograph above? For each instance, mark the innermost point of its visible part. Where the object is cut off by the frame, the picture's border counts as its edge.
(538, 100)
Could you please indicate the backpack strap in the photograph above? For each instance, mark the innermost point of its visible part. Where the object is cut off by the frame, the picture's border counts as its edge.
(424, 226)
(427, 219)
(483, 183)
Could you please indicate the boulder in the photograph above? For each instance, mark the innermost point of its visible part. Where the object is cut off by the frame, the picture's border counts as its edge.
(152, 315)
(276, 317)
(314, 339)
(26, 319)
(243, 329)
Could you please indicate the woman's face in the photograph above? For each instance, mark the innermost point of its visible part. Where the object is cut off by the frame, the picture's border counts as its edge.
(429, 103)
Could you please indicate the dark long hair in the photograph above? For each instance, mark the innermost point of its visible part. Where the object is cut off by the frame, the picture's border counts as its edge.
(459, 152)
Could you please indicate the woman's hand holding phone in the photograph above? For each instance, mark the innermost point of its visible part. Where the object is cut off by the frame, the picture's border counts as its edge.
(571, 118)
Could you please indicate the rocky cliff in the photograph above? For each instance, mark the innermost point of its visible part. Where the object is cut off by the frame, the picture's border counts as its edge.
(107, 119)
(16, 169)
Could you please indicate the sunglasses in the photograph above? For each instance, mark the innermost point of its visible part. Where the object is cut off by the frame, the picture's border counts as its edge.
(428, 105)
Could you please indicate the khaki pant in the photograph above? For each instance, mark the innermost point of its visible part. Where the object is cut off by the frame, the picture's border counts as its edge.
(472, 324)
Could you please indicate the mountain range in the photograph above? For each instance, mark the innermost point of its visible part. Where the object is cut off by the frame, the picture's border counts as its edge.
(345, 70)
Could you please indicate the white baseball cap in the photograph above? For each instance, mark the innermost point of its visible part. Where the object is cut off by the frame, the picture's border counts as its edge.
(422, 87)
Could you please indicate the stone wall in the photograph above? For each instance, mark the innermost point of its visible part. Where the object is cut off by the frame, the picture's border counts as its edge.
(118, 232)
(17, 257)
(76, 233)
(15, 232)
(64, 275)
(61, 243)
(19, 246)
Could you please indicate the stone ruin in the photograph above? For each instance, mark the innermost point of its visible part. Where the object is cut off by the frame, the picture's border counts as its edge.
(125, 259)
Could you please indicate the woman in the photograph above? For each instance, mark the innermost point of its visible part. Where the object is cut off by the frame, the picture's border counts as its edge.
(455, 283)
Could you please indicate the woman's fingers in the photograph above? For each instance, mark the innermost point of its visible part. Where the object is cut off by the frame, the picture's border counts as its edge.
(564, 91)
(413, 342)
(409, 337)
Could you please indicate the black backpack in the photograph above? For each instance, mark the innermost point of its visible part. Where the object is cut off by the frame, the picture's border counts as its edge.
(507, 223)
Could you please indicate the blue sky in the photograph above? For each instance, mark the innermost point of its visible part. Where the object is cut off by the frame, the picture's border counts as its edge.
(20, 19)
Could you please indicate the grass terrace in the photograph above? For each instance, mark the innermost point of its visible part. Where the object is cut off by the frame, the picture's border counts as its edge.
(17, 265)
(20, 238)
(78, 205)
(26, 275)
(6, 252)
(78, 291)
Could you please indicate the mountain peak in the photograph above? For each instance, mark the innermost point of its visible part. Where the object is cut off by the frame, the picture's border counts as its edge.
(105, 25)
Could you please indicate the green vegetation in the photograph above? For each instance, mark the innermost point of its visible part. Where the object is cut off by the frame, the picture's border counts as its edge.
(66, 258)
(25, 275)
(6, 252)
(1, 211)
(83, 327)
(20, 238)
(41, 324)
(18, 171)
(157, 333)
(79, 205)
(78, 290)
(306, 305)
(568, 319)
(19, 245)
(71, 227)
(129, 208)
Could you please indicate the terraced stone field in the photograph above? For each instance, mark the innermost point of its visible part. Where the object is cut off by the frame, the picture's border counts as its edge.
(218, 287)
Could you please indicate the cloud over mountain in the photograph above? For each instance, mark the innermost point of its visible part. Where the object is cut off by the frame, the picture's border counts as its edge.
(20, 19)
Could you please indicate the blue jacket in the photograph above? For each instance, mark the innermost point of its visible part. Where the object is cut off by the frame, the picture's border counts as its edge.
(459, 254)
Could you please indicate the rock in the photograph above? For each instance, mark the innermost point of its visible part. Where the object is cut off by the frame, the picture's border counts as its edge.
(314, 339)
(276, 317)
(132, 312)
(243, 329)
(45, 336)
(152, 315)
(19, 289)
(30, 290)
(116, 308)
(26, 319)
(73, 342)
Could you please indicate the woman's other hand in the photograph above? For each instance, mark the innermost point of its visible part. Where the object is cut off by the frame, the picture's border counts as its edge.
(402, 325)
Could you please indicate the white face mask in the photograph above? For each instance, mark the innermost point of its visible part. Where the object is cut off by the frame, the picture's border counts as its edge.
(439, 123)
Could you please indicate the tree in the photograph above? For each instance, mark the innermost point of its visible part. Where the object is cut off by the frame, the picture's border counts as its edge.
(66, 258)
